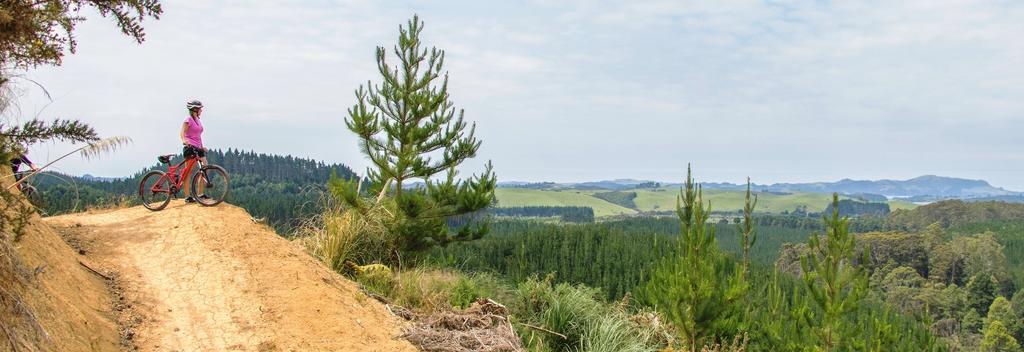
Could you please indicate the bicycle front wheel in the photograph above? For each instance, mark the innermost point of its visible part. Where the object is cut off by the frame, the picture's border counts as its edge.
(210, 185)
(155, 190)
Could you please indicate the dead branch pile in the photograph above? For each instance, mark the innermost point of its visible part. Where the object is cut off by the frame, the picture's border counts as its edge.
(484, 326)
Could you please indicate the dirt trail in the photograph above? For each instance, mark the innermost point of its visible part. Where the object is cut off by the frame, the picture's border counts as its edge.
(209, 279)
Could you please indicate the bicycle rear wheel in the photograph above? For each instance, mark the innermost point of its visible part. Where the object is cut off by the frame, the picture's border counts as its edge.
(210, 185)
(155, 190)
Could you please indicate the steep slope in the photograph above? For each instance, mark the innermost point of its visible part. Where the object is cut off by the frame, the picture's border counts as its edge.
(38, 311)
(209, 279)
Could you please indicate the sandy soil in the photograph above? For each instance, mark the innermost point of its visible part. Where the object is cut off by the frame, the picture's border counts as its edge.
(209, 279)
(48, 301)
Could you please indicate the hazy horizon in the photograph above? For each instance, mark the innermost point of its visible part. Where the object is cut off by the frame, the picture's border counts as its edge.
(579, 91)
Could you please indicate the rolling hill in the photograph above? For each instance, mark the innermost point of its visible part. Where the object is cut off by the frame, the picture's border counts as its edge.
(927, 186)
(664, 199)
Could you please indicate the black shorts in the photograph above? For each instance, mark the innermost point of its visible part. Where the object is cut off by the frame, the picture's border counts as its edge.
(191, 151)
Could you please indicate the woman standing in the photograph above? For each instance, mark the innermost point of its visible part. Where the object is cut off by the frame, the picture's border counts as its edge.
(192, 139)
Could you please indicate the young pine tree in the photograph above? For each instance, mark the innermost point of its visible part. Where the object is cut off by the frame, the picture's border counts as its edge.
(835, 285)
(408, 129)
(696, 289)
(748, 235)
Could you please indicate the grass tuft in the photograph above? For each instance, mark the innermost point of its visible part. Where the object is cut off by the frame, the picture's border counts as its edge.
(338, 235)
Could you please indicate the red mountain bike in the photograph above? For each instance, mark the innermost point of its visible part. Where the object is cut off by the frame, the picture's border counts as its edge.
(209, 185)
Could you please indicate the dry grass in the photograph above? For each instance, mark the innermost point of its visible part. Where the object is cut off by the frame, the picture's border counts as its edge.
(118, 202)
(424, 290)
(18, 323)
(484, 326)
(738, 344)
(660, 332)
(339, 234)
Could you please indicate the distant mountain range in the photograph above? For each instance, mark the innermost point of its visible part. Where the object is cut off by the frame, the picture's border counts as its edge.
(924, 188)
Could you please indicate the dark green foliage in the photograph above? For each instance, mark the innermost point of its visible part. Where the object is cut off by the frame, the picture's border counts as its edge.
(813, 223)
(891, 250)
(1017, 307)
(1005, 222)
(928, 273)
(869, 197)
(777, 302)
(972, 322)
(535, 185)
(608, 258)
(464, 293)
(1008, 234)
(617, 253)
(831, 305)
(648, 185)
(850, 207)
(770, 239)
(408, 130)
(981, 291)
(625, 199)
(909, 250)
(949, 213)
(956, 261)
(615, 256)
(36, 32)
(565, 213)
(878, 328)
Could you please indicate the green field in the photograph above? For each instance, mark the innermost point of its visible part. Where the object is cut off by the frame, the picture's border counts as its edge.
(518, 197)
(664, 199)
(652, 200)
(901, 204)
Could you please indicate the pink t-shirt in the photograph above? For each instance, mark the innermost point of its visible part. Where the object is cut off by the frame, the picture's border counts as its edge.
(194, 134)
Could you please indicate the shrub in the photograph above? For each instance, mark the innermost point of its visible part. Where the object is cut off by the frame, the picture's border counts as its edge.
(577, 314)
(612, 333)
(338, 235)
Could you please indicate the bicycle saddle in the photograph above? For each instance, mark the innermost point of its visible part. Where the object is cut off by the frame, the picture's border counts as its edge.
(166, 159)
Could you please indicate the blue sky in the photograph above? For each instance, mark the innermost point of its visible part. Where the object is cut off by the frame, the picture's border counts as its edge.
(781, 91)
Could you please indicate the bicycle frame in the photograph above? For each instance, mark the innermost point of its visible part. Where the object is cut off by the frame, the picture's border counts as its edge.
(175, 175)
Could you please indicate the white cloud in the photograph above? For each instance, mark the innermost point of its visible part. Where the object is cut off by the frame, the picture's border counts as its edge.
(588, 89)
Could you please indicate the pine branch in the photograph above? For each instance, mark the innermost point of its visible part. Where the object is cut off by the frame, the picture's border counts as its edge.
(36, 130)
